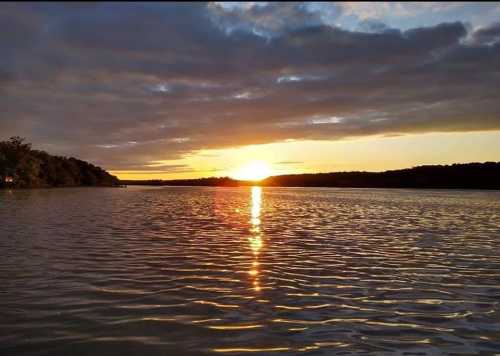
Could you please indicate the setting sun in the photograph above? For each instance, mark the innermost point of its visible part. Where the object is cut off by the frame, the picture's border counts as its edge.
(256, 170)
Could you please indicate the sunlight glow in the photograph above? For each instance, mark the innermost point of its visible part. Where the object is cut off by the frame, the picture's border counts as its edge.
(374, 153)
(255, 171)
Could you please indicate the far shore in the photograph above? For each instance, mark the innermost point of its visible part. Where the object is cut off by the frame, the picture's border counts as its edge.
(484, 176)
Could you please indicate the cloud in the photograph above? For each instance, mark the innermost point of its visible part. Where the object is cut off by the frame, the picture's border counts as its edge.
(487, 35)
(267, 20)
(374, 26)
(406, 15)
(89, 80)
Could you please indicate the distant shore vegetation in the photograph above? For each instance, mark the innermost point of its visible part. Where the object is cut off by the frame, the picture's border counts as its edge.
(23, 167)
(456, 176)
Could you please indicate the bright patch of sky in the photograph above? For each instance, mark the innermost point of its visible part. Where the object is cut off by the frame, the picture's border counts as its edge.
(369, 153)
(297, 78)
(397, 15)
(326, 120)
(161, 88)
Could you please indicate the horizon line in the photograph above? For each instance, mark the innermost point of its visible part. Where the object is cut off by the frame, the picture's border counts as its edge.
(309, 173)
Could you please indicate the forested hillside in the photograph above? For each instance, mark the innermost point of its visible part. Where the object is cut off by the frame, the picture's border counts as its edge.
(23, 167)
(457, 176)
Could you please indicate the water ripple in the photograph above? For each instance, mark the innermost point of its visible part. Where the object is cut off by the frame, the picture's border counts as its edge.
(248, 270)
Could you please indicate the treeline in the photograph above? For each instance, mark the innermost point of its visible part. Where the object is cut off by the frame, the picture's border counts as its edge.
(23, 167)
(456, 176)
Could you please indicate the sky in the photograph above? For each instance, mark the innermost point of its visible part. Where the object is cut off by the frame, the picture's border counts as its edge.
(157, 90)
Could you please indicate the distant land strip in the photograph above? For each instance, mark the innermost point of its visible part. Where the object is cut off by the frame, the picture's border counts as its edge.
(456, 176)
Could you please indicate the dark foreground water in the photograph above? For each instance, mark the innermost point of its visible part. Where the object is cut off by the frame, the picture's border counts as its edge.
(177, 271)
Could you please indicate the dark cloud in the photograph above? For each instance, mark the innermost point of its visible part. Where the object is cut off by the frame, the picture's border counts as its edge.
(127, 84)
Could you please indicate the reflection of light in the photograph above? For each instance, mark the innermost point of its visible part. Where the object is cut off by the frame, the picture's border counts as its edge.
(255, 244)
(256, 202)
(256, 285)
(256, 239)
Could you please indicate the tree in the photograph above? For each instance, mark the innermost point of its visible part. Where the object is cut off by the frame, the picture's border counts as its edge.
(32, 168)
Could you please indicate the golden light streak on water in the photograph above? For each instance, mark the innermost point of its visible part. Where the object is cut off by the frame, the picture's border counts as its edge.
(255, 239)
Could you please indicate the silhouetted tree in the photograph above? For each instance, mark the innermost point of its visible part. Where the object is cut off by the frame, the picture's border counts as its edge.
(29, 168)
(458, 176)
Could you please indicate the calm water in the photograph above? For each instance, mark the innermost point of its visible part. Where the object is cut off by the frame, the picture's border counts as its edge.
(144, 271)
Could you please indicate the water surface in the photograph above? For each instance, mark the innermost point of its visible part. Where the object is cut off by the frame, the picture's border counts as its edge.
(194, 270)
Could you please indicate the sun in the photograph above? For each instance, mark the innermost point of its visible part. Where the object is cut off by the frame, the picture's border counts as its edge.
(255, 171)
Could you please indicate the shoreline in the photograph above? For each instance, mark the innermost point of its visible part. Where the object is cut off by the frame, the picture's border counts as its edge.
(311, 186)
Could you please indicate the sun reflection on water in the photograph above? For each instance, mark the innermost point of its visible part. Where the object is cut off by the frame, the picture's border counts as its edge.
(255, 238)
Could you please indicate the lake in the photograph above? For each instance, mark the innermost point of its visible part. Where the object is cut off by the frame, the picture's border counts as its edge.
(286, 271)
